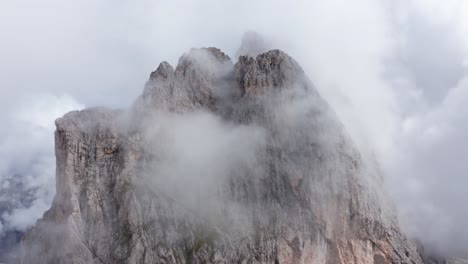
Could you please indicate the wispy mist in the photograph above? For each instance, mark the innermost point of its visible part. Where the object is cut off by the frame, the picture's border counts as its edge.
(195, 153)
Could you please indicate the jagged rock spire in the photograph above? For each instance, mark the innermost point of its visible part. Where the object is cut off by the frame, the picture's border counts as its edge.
(271, 70)
(193, 83)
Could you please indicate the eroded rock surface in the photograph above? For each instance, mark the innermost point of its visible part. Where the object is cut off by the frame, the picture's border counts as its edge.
(300, 194)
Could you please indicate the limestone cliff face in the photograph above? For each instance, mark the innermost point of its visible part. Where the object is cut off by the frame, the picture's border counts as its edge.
(299, 193)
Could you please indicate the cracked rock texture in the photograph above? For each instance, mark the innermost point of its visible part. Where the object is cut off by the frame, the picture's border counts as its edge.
(303, 194)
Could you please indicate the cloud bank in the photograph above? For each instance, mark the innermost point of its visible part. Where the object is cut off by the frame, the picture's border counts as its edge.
(394, 71)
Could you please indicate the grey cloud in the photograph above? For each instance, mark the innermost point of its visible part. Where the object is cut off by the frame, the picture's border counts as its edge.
(27, 164)
(393, 71)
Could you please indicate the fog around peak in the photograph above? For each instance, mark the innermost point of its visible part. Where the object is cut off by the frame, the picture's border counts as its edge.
(394, 71)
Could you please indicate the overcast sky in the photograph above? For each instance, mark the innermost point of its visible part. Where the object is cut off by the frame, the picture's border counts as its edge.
(395, 72)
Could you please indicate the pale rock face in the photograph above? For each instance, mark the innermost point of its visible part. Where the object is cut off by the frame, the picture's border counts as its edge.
(299, 193)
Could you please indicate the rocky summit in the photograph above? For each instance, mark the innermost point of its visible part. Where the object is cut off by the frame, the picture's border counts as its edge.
(216, 162)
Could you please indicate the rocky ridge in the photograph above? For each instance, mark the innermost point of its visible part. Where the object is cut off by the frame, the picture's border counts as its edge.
(302, 193)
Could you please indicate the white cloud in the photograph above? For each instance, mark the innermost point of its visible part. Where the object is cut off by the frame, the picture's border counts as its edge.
(395, 72)
(27, 156)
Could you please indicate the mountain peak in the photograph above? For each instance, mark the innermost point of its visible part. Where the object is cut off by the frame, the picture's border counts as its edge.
(223, 167)
(205, 77)
(164, 71)
(270, 70)
(203, 58)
